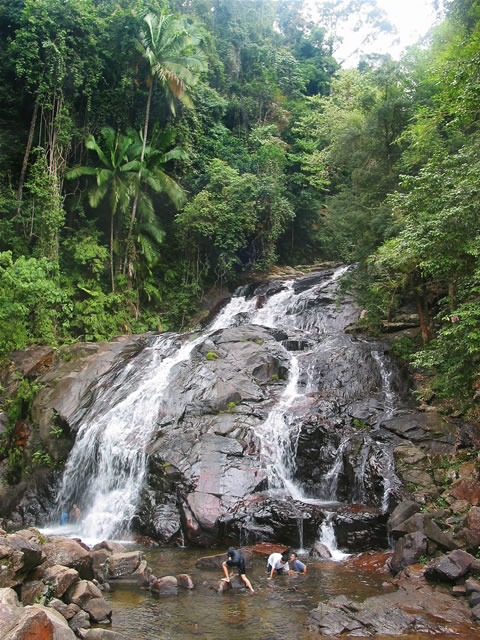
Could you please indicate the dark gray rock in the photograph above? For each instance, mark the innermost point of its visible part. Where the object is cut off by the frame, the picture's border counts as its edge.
(402, 512)
(450, 567)
(408, 550)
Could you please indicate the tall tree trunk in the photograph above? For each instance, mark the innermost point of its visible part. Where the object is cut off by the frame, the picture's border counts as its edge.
(111, 252)
(28, 148)
(423, 315)
(135, 200)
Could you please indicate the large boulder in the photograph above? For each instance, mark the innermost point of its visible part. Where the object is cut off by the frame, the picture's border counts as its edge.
(40, 623)
(408, 550)
(119, 565)
(450, 567)
(68, 553)
(81, 592)
(10, 610)
(60, 579)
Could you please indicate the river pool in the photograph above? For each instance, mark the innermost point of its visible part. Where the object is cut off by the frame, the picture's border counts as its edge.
(277, 610)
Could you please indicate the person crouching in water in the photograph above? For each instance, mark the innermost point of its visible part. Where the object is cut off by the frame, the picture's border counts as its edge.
(277, 563)
(236, 559)
(296, 564)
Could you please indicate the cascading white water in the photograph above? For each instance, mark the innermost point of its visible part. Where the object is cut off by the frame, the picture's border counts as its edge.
(108, 459)
(106, 469)
(277, 439)
(111, 449)
(328, 538)
(386, 375)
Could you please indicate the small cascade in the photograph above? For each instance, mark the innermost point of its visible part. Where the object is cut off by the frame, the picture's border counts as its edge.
(279, 434)
(328, 538)
(330, 480)
(358, 494)
(386, 374)
(272, 313)
(300, 535)
(226, 317)
(390, 481)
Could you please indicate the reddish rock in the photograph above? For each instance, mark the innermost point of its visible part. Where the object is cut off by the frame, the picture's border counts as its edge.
(473, 518)
(168, 585)
(111, 546)
(60, 578)
(31, 592)
(468, 539)
(468, 471)
(69, 553)
(451, 567)
(123, 564)
(11, 565)
(458, 590)
(206, 509)
(33, 555)
(472, 586)
(33, 624)
(81, 592)
(408, 550)
(466, 490)
(10, 610)
(66, 610)
(371, 562)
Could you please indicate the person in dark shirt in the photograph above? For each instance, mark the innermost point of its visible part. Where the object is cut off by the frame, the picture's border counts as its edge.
(235, 559)
(297, 565)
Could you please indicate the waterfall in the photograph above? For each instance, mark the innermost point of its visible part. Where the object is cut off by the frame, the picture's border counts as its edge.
(277, 439)
(106, 470)
(386, 375)
(328, 538)
(108, 459)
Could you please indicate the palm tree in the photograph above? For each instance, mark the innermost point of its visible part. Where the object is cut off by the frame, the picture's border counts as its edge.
(152, 177)
(115, 179)
(171, 49)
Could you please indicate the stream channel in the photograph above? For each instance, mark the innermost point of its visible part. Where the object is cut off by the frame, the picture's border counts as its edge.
(302, 443)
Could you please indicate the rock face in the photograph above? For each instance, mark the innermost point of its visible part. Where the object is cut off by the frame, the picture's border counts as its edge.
(414, 608)
(210, 425)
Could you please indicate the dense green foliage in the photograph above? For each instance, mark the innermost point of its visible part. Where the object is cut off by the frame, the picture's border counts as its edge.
(151, 148)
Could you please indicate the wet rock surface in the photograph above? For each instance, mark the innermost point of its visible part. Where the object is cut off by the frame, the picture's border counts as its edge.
(416, 607)
(357, 448)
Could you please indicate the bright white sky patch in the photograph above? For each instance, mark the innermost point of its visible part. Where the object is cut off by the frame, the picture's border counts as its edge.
(411, 18)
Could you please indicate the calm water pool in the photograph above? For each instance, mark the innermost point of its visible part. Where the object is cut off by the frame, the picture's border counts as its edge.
(277, 609)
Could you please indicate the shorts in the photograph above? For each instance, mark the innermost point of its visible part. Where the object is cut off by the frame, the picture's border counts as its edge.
(239, 565)
(279, 571)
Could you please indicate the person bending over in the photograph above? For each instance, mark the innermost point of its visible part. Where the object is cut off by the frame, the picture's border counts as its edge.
(297, 565)
(236, 559)
(277, 563)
